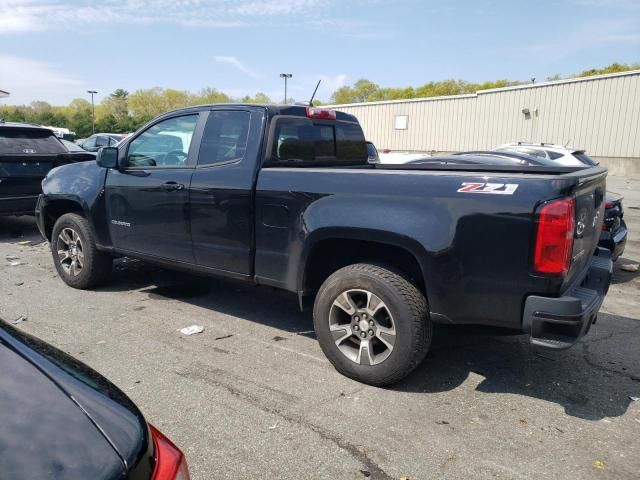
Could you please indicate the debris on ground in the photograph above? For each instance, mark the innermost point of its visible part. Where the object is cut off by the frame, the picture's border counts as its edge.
(634, 399)
(273, 427)
(19, 284)
(599, 464)
(191, 330)
(15, 264)
(101, 342)
(18, 320)
(366, 473)
(25, 242)
(223, 337)
(442, 422)
(544, 356)
(630, 267)
(278, 338)
(11, 258)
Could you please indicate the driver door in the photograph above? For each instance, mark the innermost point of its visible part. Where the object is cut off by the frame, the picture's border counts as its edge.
(147, 202)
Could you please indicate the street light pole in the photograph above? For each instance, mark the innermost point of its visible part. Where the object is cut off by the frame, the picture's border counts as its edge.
(286, 76)
(93, 111)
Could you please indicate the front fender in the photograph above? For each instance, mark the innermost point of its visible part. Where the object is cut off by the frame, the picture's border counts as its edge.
(80, 184)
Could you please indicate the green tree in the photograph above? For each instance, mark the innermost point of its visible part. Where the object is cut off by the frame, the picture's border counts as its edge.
(116, 106)
(261, 98)
(209, 95)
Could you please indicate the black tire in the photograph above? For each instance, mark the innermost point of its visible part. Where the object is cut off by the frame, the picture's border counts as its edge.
(96, 265)
(407, 307)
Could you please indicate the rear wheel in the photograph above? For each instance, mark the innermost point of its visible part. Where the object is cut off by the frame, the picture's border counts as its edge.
(372, 323)
(78, 262)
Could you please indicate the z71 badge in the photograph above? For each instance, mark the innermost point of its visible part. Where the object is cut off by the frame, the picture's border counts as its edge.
(493, 188)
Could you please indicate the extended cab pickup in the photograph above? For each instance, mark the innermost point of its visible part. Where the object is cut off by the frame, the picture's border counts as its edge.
(284, 196)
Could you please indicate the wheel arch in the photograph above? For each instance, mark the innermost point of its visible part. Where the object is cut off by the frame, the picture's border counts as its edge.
(329, 249)
(55, 208)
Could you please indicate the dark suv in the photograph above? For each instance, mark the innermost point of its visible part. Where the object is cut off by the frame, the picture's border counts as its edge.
(27, 153)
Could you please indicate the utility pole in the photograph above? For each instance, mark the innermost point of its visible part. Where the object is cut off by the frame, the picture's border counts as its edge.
(93, 111)
(286, 76)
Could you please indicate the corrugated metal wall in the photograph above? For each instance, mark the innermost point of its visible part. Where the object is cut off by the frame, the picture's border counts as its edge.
(600, 114)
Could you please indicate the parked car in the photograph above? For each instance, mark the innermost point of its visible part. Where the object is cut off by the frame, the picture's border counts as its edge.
(27, 153)
(614, 228)
(76, 152)
(372, 151)
(98, 140)
(72, 146)
(62, 420)
(566, 156)
(491, 157)
(284, 196)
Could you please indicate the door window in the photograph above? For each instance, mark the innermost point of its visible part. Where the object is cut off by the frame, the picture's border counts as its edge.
(90, 142)
(165, 144)
(224, 138)
(102, 141)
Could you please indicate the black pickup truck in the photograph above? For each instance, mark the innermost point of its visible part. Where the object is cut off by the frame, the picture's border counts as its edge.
(284, 196)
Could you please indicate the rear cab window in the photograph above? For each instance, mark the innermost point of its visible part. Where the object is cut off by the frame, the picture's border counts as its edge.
(29, 141)
(299, 141)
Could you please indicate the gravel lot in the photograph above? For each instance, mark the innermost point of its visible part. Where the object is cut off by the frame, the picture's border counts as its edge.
(253, 396)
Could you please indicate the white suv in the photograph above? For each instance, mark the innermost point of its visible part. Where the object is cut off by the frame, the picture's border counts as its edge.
(566, 156)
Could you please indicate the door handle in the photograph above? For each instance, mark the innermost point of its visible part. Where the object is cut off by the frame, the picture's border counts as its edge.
(171, 186)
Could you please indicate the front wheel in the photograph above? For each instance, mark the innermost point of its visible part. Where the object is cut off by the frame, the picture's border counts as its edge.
(78, 262)
(372, 324)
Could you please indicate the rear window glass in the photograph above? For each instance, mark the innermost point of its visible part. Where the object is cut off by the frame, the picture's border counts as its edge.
(371, 150)
(534, 152)
(584, 158)
(300, 140)
(18, 141)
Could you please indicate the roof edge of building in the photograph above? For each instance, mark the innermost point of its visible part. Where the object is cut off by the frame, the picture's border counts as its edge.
(491, 90)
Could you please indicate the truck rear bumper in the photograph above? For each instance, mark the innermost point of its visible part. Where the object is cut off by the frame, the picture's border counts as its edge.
(18, 205)
(560, 322)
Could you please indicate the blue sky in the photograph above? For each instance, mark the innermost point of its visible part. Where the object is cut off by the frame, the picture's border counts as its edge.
(55, 50)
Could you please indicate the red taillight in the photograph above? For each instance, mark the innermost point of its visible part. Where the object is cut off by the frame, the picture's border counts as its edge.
(170, 461)
(321, 113)
(554, 239)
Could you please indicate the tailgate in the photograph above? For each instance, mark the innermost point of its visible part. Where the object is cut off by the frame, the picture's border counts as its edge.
(22, 174)
(590, 203)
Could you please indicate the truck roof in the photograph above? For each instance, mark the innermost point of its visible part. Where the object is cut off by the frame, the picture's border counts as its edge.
(272, 110)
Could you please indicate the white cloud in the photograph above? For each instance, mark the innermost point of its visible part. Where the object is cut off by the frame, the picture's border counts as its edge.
(18, 16)
(237, 64)
(24, 77)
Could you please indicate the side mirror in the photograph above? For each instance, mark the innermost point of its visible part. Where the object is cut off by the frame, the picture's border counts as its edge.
(107, 157)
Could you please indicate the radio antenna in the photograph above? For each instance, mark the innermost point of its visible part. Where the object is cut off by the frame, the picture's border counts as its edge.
(314, 94)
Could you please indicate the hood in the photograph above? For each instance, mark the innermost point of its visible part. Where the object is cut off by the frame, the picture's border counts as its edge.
(65, 416)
